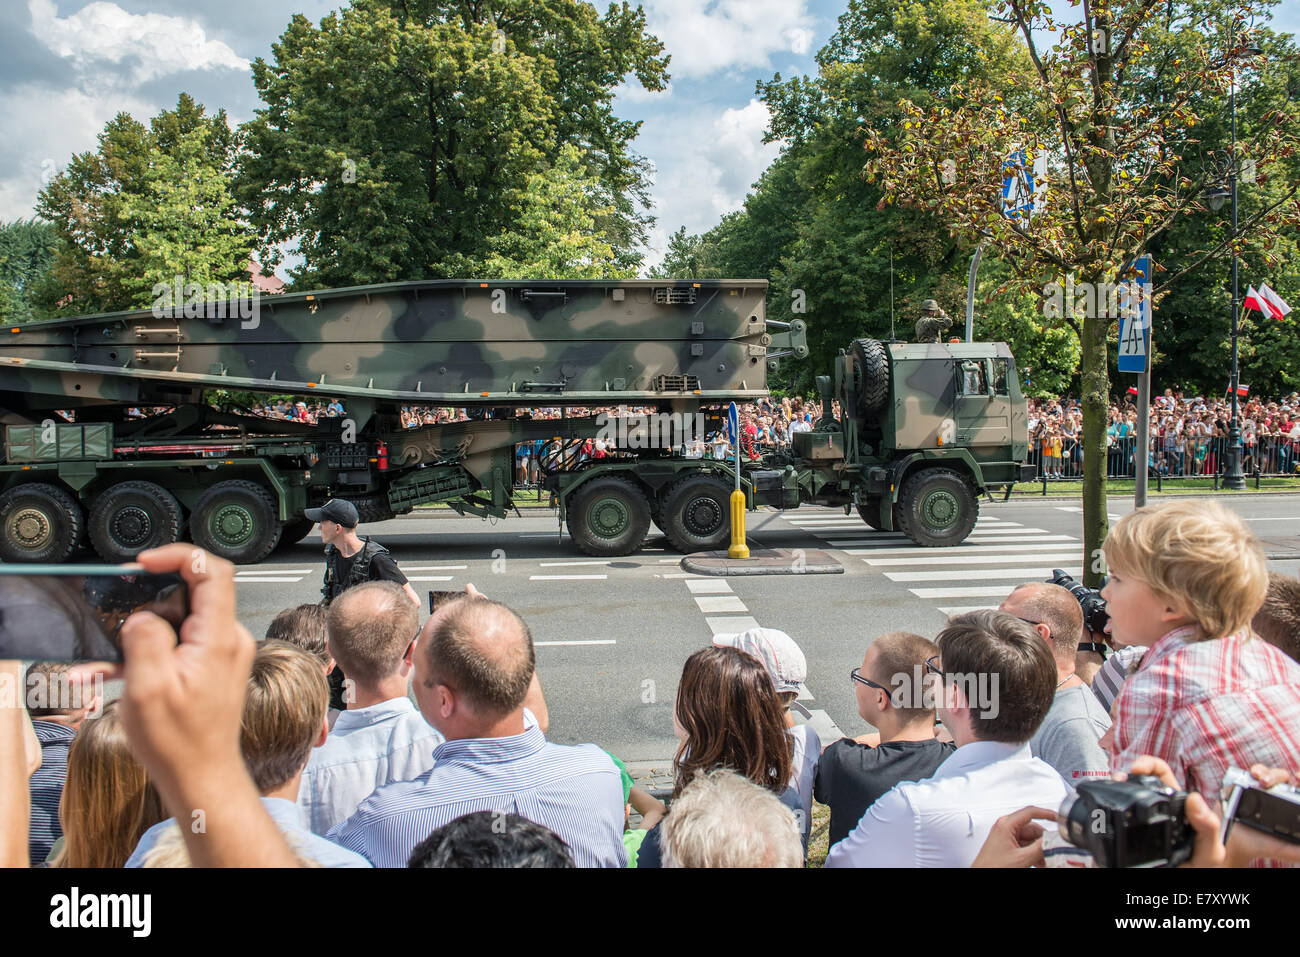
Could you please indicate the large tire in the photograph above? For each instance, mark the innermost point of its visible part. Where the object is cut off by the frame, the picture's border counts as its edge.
(697, 513)
(872, 360)
(608, 516)
(373, 508)
(39, 523)
(869, 512)
(936, 507)
(131, 517)
(295, 530)
(237, 520)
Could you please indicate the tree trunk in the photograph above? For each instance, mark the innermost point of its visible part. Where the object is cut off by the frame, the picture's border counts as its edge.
(1096, 399)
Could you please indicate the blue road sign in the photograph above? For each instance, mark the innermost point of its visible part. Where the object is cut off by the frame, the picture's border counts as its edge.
(1017, 186)
(1135, 325)
(733, 423)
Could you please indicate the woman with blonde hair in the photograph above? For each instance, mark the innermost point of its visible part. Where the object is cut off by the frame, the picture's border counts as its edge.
(108, 800)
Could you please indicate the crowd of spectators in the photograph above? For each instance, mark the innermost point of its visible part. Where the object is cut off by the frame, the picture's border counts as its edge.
(981, 731)
(1189, 436)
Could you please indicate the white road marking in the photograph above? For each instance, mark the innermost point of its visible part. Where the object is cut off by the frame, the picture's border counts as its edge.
(972, 559)
(963, 549)
(546, 644)
(559, 564)
(246, 581)
(566, 578)
(684, 575)
(708, 586)
(978, 574)
(429, 578)
(731, 626)
(271, 570)
(434, 568)
(972, 591)
(715, 603)
(962, 609)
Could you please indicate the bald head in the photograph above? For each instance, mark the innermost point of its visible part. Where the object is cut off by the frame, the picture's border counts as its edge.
(369, 627)
(482, 651)
(1054, 607)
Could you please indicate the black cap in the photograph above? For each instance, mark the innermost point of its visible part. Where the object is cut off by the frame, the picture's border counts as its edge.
(335, 510)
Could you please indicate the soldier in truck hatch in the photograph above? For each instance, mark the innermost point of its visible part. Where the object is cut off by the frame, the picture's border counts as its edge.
(934, 322)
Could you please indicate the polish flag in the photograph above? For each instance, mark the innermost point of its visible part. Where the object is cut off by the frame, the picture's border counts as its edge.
(1255, 301)
(1276, 307)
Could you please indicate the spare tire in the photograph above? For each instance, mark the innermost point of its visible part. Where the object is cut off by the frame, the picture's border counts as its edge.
(872, 361)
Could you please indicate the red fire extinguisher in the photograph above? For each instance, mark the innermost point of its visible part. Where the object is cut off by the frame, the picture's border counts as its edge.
(381, 456)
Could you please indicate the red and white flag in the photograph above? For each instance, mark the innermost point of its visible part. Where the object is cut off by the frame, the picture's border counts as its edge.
(1255, 301)
(1277, 308)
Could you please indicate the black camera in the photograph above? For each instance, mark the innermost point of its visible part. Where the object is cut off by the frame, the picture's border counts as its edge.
(1089, 599)
(1133, 823)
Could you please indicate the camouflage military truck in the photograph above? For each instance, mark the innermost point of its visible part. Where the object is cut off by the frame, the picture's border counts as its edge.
(924, 428)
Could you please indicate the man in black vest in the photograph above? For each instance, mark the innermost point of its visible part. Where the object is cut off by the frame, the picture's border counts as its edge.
(349, 561)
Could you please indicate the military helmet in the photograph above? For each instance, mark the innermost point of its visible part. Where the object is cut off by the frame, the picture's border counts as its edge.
(931, 304)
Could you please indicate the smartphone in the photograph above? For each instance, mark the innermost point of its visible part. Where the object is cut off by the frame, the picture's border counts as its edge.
(439, 598)
(75, 612)
(1274, 810)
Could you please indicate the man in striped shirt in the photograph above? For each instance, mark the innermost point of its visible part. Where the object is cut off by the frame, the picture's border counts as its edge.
(474, 662)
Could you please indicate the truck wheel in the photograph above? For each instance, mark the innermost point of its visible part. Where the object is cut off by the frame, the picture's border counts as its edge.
(609, 516)
(936, 507)
(132, 516)
(236, 520)
(657, 515)
(372, 508)
(40, 523)
(295, 530)
(697, 514)
(869, 511)
(872, 359)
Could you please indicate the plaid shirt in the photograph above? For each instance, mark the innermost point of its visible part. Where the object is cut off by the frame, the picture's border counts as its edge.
(1207, 706)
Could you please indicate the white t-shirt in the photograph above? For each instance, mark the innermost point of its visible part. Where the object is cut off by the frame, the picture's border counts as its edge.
(807, 749)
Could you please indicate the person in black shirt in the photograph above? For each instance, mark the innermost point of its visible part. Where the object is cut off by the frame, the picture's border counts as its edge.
(896, 693)
(349, 561)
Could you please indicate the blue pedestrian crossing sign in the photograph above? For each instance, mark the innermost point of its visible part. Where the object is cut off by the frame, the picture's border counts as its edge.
(733, 423)
(1135, 319)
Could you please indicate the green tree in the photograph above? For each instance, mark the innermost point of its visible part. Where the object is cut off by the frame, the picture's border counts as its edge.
(1122, 166)
(27, 248)
(149, 202)
(415, 166)
(559, 228)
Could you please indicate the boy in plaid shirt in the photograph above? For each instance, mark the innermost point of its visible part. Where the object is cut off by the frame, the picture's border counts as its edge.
(1186, 577)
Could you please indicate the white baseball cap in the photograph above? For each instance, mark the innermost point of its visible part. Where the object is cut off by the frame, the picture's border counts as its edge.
(777, 651)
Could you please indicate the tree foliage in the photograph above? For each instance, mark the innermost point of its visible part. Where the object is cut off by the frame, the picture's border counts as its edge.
(1116, 109)
(151, 203)
(421, 163)
(27, 248)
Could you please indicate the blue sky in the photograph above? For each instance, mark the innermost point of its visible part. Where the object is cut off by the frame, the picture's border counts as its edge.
(67, 66)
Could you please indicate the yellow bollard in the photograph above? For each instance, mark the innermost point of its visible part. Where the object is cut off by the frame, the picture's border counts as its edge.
(738, 547)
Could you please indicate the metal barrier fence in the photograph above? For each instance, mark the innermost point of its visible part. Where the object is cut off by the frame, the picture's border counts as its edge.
(1179, 456)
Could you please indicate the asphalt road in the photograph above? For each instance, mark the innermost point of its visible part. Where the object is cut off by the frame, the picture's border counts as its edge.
(612, 635)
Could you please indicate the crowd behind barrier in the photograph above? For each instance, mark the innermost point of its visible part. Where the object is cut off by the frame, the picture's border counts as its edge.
(1189, 437)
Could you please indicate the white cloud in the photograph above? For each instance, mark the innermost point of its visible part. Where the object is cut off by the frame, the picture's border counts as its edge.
(719, 35)
(151, 44)
(43, 128)
(698, 184)
(634, 92)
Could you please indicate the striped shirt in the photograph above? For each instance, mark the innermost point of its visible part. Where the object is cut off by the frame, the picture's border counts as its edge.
(366, 749)
(1205, 706)
(577, 792)
(1112, 675)
(47, 787)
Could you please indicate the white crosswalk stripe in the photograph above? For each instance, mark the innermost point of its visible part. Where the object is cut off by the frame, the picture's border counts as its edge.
(975, 575)
(971, 559)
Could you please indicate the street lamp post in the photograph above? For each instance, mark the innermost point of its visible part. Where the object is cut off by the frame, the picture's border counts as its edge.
(1233, 479)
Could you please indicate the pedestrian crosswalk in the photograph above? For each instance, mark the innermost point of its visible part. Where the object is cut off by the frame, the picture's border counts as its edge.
(998, 555)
